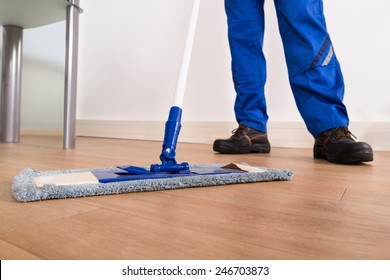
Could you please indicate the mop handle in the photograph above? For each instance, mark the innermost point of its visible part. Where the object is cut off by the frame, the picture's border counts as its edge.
(173, 124)
(185, 62)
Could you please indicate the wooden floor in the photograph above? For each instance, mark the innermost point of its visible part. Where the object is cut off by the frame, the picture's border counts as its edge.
(327, 211)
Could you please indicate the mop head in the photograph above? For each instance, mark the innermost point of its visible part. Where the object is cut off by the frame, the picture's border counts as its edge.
(26, 187)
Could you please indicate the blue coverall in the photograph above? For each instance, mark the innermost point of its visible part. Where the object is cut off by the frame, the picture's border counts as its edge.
(314, 72)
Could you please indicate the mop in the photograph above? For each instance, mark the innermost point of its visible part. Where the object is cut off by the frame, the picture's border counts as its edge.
(33, 185)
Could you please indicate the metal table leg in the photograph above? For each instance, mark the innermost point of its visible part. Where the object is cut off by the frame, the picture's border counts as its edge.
(72, 26)
(11, 84)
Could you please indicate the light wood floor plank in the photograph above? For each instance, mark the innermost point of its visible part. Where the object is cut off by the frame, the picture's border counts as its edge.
(113, 235)
(11, 252)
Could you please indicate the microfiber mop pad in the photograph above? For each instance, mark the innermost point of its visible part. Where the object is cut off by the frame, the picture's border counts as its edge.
(25, 189)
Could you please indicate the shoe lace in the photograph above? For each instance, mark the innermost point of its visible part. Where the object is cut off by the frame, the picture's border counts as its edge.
(240, 130)
(339, 132)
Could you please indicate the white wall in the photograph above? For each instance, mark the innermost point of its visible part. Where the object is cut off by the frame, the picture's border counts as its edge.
(129, 62)
(130, 53)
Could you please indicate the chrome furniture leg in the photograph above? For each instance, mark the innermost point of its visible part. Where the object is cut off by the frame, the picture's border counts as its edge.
(11, 84)
(72, 26)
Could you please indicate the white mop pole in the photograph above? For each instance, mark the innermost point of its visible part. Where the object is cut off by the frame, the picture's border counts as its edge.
(185, 62)
(173, 124)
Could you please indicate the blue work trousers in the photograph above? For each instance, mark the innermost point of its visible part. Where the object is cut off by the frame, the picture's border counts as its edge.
(314, 72)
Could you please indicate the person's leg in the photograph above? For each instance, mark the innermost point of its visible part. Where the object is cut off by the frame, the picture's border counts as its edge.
(245, 33)
(317, 82)
(314, 71)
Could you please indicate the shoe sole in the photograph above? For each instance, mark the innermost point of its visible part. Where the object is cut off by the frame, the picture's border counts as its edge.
(364, 155)
(255, 148)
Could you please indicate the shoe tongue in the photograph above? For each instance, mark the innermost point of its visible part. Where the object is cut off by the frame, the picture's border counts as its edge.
(243, 129)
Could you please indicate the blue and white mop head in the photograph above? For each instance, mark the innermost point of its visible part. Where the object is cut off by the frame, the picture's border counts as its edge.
(34, 185)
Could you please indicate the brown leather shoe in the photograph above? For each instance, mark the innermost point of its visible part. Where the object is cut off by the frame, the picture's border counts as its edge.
(337, 146)
(244, 140)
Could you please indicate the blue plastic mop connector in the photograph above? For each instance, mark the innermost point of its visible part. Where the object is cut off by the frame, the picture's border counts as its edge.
(167, 157)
